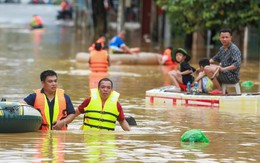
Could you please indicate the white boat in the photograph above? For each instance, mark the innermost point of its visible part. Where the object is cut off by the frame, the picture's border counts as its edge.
(164, 97)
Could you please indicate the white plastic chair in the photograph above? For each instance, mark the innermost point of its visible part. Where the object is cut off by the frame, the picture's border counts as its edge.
(237, 87)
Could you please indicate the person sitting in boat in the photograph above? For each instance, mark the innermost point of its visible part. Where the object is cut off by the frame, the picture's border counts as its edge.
(117, 45)
(185, 74)
(166, 58)
(54, 105)
(36, 22)
(229, 59)
(99, 59)
(101, 39)
(205, 84)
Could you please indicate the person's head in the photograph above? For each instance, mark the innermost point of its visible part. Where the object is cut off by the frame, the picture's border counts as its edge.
(203, 62)
(105, 87)
(49, 80)
(103, 37)
(98, 46)
(225, 37)
(181, 55)
(121, 34)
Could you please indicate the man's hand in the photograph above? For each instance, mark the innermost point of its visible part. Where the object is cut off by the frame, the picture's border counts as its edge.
(59, 124)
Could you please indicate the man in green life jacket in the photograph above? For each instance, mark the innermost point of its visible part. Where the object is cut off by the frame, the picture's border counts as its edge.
(101, 110)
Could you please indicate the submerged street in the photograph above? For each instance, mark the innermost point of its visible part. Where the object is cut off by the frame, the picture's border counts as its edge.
(233, 135)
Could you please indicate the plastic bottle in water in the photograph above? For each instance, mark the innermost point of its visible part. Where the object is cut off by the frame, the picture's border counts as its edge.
(196, 87)
(188, 87)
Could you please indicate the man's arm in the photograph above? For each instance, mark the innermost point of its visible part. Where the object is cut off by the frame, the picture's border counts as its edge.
(30, 99)
(228, 68)
(121, 118)
(63, 122)
(125, 126)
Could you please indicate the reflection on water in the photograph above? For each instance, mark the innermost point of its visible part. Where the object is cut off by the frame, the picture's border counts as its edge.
(234, 136)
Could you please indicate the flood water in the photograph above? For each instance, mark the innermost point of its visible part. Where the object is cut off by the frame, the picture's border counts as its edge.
(234, 136)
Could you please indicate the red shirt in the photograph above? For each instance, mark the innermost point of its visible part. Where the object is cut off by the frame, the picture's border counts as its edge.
(85, 103)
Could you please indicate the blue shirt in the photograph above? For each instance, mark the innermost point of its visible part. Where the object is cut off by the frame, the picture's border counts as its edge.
(30, 99)
(116, 41)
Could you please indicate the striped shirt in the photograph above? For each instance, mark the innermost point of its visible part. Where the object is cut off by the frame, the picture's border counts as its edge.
(231, 56)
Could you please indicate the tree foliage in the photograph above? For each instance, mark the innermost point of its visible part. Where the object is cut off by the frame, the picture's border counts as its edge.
(198, 15)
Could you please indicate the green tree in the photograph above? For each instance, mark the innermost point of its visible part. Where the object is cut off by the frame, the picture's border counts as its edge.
(199, 15)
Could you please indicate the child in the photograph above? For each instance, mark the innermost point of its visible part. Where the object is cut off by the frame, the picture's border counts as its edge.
(185, 74)
(205, 84)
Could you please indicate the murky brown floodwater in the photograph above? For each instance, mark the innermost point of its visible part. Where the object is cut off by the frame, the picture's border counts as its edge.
(234, 136)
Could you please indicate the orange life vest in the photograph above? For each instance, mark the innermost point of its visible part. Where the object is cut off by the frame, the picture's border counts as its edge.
(38, 20)
(169, 61)
(59, 108)
(99, 61)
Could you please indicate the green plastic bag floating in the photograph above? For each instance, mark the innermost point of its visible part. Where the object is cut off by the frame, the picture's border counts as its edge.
(247, 84)
(194, 135)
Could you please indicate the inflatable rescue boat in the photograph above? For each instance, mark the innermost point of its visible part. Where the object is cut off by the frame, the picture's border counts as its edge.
(142, 58)
(16, 117)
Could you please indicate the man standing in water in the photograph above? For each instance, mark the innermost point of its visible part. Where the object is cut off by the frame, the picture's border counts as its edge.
(102, 109)
(229, 59)
(55, 107)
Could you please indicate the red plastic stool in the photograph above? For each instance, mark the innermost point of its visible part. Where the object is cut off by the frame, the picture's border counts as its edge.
(183, 87)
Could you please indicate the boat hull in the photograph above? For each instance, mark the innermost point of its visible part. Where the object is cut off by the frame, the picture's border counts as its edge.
(16, 118)
(160, 97)
(142, 58)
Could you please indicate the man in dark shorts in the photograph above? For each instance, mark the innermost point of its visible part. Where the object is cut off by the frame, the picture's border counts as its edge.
(229, 59)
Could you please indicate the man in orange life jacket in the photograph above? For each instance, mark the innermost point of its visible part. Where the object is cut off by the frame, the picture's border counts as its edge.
(102, 109)
(99, 59)
(56, 107)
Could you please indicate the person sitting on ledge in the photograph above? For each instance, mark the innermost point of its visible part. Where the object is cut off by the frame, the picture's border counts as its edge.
(118, 45)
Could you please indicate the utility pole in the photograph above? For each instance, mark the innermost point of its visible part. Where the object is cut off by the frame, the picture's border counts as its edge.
(120, 15)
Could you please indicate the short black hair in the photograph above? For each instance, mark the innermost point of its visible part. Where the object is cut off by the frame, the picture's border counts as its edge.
(98, 46)
(225, 30)
(204, 62)
(46, 73)
(105, 79)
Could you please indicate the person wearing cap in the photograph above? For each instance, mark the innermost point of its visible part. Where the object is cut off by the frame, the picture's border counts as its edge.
(185, 74)
(229, 59)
